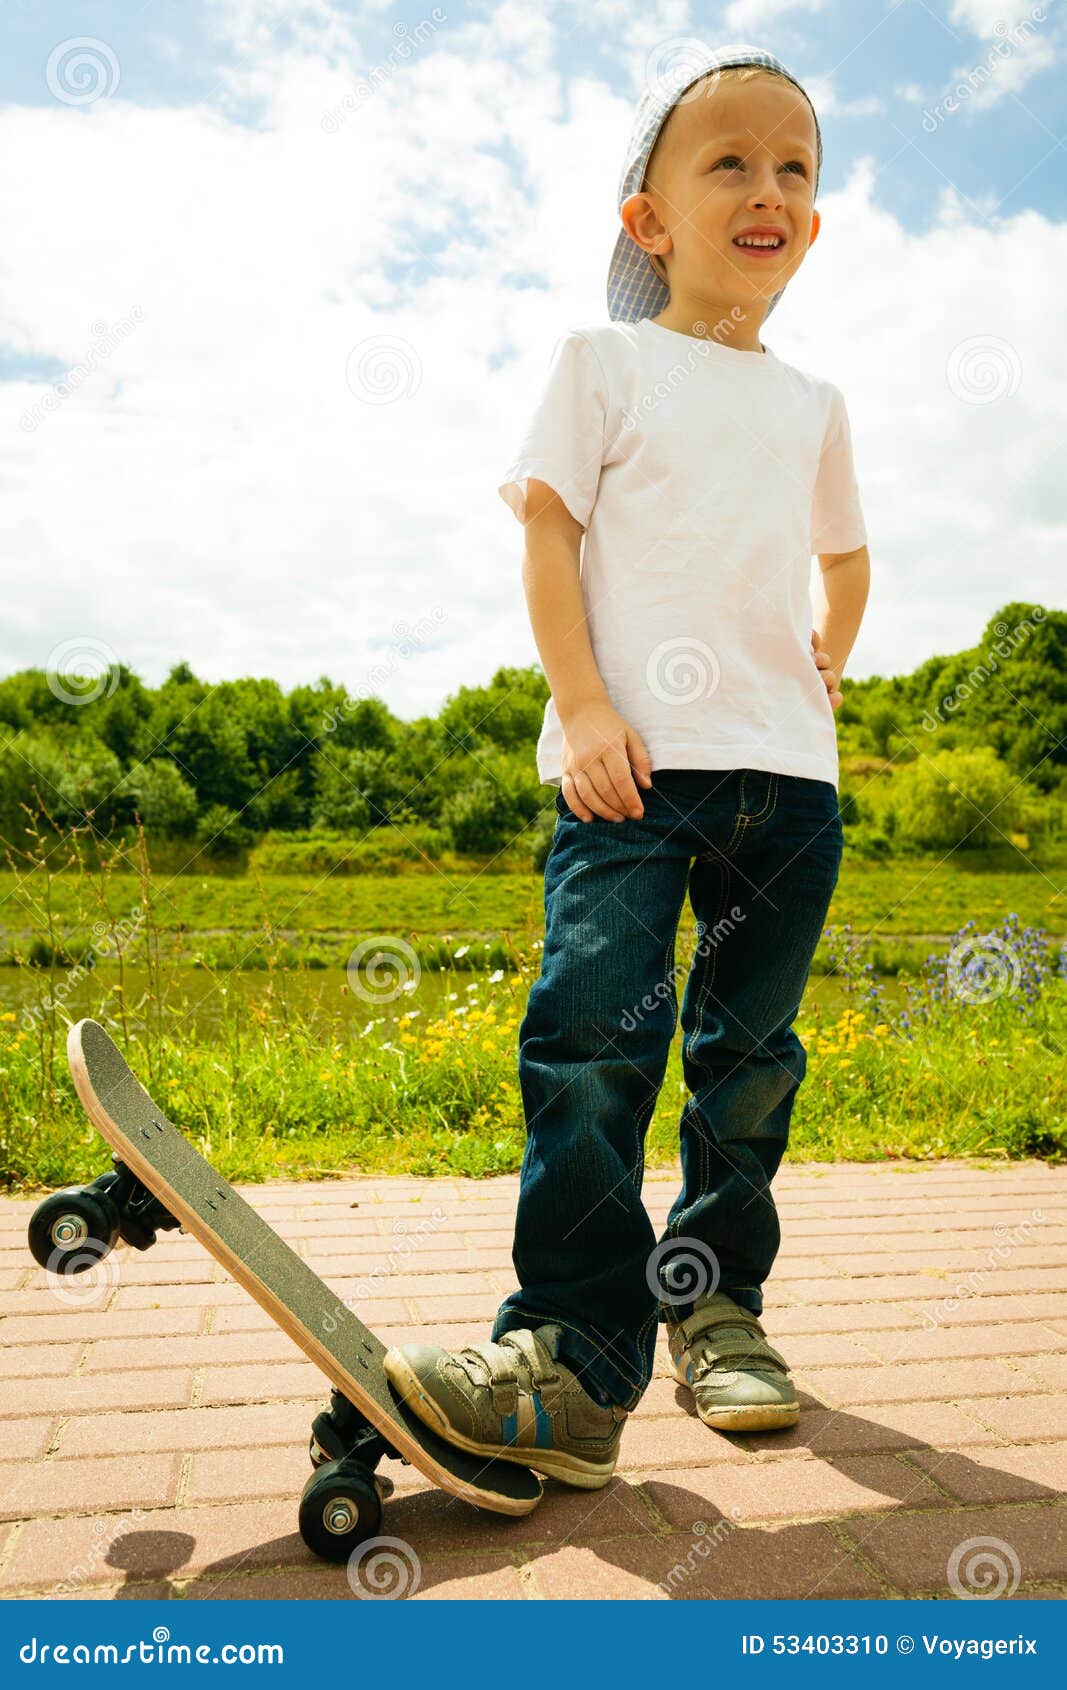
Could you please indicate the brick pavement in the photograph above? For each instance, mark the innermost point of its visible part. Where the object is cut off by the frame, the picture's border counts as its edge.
(153, 1440)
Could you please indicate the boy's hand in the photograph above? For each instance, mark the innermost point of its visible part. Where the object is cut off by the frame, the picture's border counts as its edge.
(829, 675)
(599, 750)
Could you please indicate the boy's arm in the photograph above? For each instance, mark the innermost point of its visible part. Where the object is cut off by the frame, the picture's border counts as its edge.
(839, 600)
(599, 745)
(552, 584)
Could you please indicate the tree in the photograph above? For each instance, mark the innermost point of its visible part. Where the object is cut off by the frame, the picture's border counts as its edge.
(164, 801)
(495, 799)
(954, 799)
(339, 803)
(507, 713)
(72, 779)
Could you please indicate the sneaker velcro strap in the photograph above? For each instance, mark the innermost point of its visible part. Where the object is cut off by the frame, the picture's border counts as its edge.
(709, 1315)
(535, 1358)
(503, 1380)
(734, 1346)
(504, 1397)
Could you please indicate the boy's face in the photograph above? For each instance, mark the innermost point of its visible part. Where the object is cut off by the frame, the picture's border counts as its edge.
(731, 156)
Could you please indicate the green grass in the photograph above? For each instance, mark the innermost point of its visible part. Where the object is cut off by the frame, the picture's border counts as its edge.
(269, 1098)
(278, 1089)
(225, 920)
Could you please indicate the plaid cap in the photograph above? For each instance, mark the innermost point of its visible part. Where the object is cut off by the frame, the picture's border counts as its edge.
(634, 290)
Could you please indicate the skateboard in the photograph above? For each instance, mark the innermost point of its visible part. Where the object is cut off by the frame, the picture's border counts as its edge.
(158, 1181)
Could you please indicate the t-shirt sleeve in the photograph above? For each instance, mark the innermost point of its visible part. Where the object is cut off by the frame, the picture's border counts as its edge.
(837, 523)
(564, 439)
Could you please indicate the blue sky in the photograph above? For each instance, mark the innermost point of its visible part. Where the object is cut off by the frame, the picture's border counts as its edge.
(210, 255)
(897, 59)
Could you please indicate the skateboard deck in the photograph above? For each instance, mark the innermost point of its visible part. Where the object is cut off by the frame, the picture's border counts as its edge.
(159, 1155)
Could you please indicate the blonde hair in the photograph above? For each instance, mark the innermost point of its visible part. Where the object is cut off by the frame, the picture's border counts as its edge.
(732, 73)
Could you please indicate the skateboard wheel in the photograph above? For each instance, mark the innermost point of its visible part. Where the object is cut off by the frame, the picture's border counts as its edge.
(340, 1509)
(319, 1456)
(72, 1230)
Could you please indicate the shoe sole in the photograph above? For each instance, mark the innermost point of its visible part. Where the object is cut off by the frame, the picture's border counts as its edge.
(556, 1464)
(753, 1417)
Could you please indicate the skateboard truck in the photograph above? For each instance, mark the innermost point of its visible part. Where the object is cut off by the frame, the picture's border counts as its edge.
(342, 1430)
(74, 1229)
(341, 1505)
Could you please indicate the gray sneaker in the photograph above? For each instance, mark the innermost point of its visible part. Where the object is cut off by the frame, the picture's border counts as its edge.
(515, 1400)
(739, 1383)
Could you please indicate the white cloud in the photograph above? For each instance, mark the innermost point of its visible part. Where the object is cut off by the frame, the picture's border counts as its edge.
(988, 17)
(214, 491)
(1018, 42)
(744, 15)
(962, 493)
(828, 100)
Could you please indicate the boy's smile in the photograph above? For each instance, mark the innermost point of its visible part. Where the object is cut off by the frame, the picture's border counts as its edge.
(728, 200)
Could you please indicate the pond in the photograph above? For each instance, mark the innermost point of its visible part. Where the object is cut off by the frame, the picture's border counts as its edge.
(201, 1001)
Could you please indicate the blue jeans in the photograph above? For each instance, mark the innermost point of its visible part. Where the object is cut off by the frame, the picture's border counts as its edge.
(759, 853)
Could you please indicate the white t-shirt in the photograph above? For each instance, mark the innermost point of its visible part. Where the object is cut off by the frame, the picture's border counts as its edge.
(705, 478)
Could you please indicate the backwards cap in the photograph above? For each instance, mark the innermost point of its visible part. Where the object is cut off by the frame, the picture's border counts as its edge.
(634, 289)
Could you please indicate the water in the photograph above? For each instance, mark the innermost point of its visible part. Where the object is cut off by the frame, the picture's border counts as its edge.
(196, 1002)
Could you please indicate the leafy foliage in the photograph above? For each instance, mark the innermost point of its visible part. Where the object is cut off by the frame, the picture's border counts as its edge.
(967, 752)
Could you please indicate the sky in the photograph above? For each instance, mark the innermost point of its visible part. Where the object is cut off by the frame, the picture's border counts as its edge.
(280, 280)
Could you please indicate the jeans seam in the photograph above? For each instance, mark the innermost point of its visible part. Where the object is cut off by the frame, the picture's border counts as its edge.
(772, 800)
(769, 806)
(705, 988)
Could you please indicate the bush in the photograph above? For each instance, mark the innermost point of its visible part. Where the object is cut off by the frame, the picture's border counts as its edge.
(340, 803)
(541, 833)
(163, 799)
(495, 805)
(869, 842)
(221, 834)
(328, 852)
(954, 799)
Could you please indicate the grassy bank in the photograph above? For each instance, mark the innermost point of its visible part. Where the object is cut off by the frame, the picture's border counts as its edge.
(968, 1060)
(955, 1072)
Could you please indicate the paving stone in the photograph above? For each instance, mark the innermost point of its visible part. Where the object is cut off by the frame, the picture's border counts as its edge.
(1022, 1419)
(1001, 1339)
(24, 1439)
(80, 1487)
(876, 1426)
(1022, 1473)
(777, 1563)
(448, 1577)
(913, 1381)
(82, 1328)
(97, 1392)
(784, 1490)
(1049, 1371)
(39, 1361)
(192, 1428)
(916, 1552)
(160, 1542)
(198, 1350)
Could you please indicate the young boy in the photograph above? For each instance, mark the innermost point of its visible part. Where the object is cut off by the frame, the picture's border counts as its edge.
(690, 729)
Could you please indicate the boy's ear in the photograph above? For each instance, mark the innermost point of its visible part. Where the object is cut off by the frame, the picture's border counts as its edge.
(642, 223)
(816, 225)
